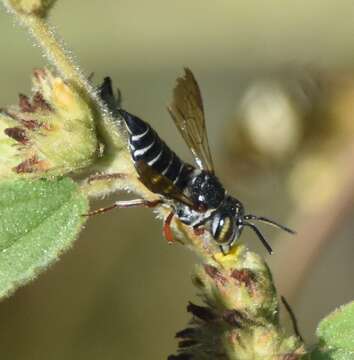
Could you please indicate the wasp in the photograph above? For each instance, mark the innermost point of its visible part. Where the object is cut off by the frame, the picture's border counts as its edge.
(193, 193)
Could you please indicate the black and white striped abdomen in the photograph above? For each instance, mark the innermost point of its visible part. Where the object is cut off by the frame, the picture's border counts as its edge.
(146, 145)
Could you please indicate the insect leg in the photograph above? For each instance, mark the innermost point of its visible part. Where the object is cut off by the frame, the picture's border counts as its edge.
(167, 228)
(106, 177)
(198, 231)
(198, 227)
(126, 204)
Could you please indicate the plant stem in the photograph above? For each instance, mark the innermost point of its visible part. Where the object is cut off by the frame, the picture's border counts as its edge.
(56, 54)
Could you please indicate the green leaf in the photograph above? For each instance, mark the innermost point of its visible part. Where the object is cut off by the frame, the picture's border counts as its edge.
(38, 221)
(336, 334)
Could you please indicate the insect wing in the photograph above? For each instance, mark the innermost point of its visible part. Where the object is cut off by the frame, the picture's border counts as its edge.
(160, 184)
(187, 112)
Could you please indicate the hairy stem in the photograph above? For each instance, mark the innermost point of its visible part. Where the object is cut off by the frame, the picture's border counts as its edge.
(55, 52)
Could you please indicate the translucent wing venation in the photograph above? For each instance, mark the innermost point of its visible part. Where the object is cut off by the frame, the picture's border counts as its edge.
(160, 184)
(187, 112)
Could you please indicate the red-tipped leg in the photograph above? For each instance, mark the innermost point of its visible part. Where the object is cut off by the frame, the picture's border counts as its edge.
(167, 231)
(126, 204)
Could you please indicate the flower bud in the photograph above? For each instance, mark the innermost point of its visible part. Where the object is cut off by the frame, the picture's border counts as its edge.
(32, 7)
(49, 134)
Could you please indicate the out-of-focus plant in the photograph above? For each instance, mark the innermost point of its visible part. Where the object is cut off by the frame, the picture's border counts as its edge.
(299, 127)
(299, 124)
(64, 129)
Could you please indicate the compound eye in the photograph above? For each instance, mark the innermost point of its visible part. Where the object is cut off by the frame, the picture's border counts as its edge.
(223, 229)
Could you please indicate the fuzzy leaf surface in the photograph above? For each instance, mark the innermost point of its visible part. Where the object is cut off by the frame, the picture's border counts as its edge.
(336, 334)
(38, 221)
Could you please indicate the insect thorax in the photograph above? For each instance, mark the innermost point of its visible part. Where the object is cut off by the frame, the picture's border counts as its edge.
(207, 194)
(206, 190)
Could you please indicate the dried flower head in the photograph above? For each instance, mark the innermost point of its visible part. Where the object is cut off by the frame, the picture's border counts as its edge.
(240, 317)
(50, 133)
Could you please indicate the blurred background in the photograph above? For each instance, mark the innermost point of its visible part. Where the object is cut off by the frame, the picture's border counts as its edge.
(278, 87)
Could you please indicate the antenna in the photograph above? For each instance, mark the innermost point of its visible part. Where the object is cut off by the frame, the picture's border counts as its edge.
(260, 236)
(269, 222)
